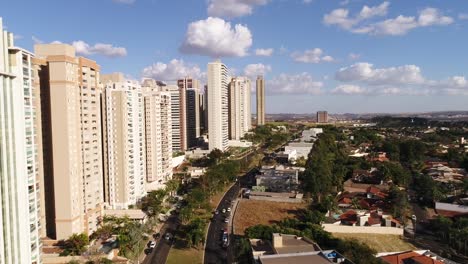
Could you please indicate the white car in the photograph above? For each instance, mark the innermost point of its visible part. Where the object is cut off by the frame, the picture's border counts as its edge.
(229, 209)
(226, 220)
(224, 211)
(152, 244)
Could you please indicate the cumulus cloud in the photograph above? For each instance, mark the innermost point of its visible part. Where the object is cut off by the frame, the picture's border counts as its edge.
(311, 56)
(400, 25)
(365, 72)
(172, 71)
(107, 50)
(215, 37)
(37, 40)
(340, 17)
(253, 70)
(302, 83)
(307, 1)
(264, 52)
(233, 8)
(364, 78)
(348, 89)
(127, 2)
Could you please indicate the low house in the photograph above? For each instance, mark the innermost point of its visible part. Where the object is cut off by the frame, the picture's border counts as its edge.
(411, 257)
(278, 179)
(457, 209)
(444, 174)
(302, 148)
(133, 214)
(380, 157)
(290, 249)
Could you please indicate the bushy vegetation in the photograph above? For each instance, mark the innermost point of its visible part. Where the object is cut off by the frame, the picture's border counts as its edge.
(452, 232)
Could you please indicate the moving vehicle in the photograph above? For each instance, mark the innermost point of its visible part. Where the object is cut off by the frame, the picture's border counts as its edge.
(168, 236)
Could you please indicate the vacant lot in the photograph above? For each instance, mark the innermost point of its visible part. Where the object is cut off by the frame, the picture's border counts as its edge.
(250, 213)
(177, 255)
(381, 243)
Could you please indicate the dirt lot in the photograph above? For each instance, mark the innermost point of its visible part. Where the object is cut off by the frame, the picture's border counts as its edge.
(250, 213)
(381, 243)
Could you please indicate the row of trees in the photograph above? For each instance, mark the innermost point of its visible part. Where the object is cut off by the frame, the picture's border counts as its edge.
(268, 137)
(452, 232)
(197, 210)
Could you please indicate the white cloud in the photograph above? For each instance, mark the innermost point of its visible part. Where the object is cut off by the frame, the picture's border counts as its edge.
(348, 89)
(264, 52)
(233, 8)
(252, 70)
(341, 18)
(172, 71)
(17, 37)
(363, 78)
(215, 37)
(294, 84)
(307, 1)
(311, 56)
(400, 25)
(107, 50)
(354, 56)
(365, 72)
(127, 2)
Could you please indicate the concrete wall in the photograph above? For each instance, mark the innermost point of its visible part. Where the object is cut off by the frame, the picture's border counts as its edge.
(363, 229)
(275, 199)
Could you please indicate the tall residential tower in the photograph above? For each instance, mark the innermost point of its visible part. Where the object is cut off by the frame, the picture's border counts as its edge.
(19, 186)
(72, 149)
(239, 107)
(124, 141)
(260, 101)
(218, 112)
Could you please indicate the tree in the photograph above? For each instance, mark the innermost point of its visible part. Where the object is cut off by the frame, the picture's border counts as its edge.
(215, 156)
(151, 204)
(75, 245)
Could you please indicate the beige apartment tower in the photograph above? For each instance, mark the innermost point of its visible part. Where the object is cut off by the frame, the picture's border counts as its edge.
(239, 107)
(260, 100)
(158, 134)
(218, 106)
(72, 150)
(124, 141)
(322, 117)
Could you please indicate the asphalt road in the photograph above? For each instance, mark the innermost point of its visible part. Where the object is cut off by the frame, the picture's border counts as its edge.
(214, 251)
(160, 253)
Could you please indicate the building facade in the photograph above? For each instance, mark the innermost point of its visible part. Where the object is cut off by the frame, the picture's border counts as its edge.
(124, 141)
(218, 106)
(239, 107)
(19, 187)
(158, 135)
(72, 147)
(322, 117)
(260, 101)
(191, 88)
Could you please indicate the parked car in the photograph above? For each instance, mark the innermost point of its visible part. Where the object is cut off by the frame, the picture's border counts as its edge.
(168, 236)
(229, 209)
(152, 244)
(226, 220)
(224, 211)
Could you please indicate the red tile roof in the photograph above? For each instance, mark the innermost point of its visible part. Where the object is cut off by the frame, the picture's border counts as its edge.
(401, 258)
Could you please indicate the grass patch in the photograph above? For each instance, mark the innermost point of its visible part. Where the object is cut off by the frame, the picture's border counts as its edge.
(185, 255)
(250, 213)
(379, 242)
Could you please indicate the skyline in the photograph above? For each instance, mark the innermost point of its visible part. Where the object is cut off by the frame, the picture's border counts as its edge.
(358, 56)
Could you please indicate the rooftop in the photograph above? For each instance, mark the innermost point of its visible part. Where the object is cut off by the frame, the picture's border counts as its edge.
(301, 258)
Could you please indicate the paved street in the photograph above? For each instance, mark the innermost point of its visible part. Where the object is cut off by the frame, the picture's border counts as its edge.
(160, 253)
(214, 252)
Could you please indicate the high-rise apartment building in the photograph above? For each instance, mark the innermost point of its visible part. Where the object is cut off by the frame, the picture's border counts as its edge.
(124, 141)
(218, 112)
(260, 101)
(19, 186)
(191, 88)
(239, 107)
(322, 117)
(177, 116)
(158, 134)
(72, 149)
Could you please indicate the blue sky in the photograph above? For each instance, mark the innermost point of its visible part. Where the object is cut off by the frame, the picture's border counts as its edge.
(342, 56)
